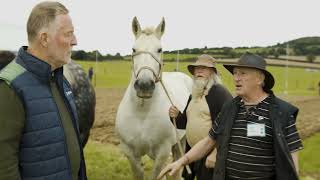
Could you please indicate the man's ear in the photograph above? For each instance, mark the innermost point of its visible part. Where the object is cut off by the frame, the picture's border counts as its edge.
(43, 37)
(261, 78)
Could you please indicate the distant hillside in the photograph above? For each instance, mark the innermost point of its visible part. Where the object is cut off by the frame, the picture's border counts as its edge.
(303, 46)
(308, 47)
(306, 41)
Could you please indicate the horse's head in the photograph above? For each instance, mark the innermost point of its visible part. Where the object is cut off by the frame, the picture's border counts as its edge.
(146, 58)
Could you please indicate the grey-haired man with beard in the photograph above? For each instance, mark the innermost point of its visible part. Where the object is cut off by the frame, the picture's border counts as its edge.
(205, 103)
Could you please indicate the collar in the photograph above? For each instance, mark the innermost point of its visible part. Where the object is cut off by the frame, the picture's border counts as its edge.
(265, 100)
(35, 65)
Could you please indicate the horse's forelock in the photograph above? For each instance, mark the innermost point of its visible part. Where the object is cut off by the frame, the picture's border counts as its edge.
(148, 31)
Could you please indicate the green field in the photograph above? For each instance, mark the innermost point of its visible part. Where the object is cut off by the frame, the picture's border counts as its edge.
(105, 161)
(116, 74)
(309, 157)
(238, 50)
(181, 56)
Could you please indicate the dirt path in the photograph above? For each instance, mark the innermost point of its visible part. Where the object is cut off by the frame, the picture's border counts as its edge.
(109, 99)
(106, 109)
(309, 114)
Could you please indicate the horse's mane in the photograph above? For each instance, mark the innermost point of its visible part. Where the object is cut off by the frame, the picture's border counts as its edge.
(5, 58)
(148, 31)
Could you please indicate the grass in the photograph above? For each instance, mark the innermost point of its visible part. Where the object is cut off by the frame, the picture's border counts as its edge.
(116, 74)
(181, 56)
(105, 161)
(309, 157)
(113, 74)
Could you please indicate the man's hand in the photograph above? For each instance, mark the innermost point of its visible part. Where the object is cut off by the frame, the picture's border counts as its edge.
(173, 112)
(173, 168)
(211, 159)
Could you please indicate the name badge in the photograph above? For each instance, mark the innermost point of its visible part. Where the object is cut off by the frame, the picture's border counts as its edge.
(256, 129)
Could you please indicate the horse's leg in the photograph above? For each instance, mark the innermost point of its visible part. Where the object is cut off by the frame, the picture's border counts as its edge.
(161, 157)
(134, 160)
(176, 154)
(136, 167)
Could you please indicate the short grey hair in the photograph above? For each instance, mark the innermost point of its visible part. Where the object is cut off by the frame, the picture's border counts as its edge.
(42, 15)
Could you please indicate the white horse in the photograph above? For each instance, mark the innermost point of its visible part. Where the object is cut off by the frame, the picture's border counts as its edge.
(142, 121)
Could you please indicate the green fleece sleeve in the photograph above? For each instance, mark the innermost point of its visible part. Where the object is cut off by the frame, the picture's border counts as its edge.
(11, 127)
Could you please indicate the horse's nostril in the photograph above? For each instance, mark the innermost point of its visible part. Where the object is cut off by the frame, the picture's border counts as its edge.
(136, 84)
(152, 85)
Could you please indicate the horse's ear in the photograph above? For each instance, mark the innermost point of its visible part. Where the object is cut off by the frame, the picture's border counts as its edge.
(160, 29)
(136, 29)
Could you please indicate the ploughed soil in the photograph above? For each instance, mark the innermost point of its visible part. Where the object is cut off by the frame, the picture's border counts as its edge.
(108, 100)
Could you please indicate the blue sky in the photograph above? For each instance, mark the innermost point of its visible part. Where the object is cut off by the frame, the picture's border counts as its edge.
(106, 25)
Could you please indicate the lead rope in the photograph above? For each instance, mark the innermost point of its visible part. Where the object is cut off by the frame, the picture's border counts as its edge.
(175, 125)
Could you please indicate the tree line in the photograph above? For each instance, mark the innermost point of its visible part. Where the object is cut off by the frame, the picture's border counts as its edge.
(93, 55)
(307, 46)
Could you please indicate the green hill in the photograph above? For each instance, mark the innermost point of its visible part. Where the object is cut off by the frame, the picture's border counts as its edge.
(305, 41)
(306, 46)
(303, 46)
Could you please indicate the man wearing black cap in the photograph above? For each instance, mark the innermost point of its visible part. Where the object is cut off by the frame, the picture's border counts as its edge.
(255, 134)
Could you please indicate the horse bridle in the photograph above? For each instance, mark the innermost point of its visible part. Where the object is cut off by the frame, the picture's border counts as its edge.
(136, 74)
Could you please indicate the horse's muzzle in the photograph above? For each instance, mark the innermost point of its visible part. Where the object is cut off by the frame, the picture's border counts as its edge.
(144, 88)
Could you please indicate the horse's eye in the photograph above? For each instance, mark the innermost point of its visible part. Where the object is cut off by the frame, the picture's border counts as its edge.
(133, 50)
(159, 50)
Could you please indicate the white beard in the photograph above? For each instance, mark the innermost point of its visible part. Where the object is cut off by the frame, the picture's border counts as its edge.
(200, 85)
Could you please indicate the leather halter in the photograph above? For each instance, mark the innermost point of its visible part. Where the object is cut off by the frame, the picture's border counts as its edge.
(136, 74)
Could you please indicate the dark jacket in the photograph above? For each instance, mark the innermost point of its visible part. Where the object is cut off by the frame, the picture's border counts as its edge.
(216, 97)
(43, 150)
(281, 113)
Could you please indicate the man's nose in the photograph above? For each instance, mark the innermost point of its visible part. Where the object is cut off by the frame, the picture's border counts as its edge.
(74, 41)
(198, 71)
(236, 77)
